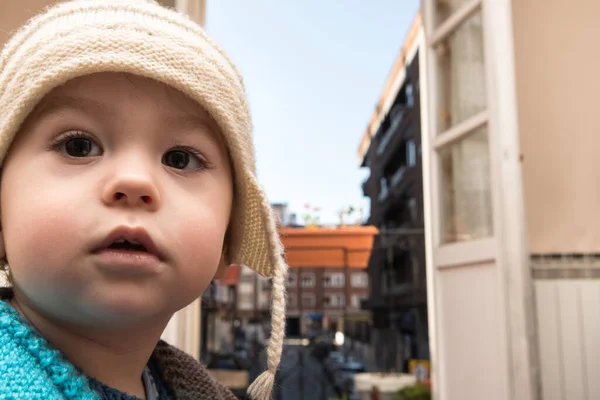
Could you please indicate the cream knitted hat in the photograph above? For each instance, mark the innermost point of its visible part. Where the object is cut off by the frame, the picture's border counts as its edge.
(140, 37)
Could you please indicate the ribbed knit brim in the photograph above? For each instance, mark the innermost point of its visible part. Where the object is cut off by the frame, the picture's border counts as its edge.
(140, 37)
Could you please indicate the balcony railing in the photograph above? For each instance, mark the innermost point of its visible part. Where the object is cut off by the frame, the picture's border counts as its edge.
(398, 175)
(389, 133)
(386, 184)
(383, 194)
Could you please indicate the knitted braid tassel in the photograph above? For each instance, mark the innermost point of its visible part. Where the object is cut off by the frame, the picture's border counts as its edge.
(262, 386)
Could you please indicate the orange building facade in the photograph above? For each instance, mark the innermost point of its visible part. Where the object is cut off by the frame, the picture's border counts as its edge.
(328, 280)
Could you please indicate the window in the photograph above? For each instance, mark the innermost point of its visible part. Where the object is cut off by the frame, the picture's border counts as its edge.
(292, 279)
(292, 300)
(360, 280)
(264, 301)
(461, 74)
(411, 153)
(410, 98)
(335, 279)
(308, 300)
(413, 210)
(357, 299)
(465, 189)
(335, 300)
(383, 192)
(402, 267)
(461, 144)
(245, 301)
(265, 284)
(445, 8)
(389, 127)
(308, 279)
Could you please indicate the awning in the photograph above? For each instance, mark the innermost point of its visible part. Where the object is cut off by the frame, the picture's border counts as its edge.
(231, 277)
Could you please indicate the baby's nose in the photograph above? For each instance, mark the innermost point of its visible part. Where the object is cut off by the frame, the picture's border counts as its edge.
(132, 189)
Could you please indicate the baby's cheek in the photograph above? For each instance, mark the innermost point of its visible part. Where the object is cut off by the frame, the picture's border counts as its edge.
(199, 249)
(42, 240)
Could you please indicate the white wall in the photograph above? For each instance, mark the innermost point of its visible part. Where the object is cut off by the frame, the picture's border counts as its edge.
(557, 64)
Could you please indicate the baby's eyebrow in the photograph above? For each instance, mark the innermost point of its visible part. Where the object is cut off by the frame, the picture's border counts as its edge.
(189, 120)
(183, 120)
(193, 121)
(56, 104)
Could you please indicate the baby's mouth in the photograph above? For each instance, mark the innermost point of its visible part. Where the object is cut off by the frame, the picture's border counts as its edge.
(129, 240)
(123, 244)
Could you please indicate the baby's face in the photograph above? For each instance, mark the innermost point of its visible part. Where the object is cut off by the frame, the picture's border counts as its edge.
(115, 199)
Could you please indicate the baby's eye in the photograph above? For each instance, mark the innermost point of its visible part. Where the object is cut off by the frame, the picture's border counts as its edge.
(77, 145)
(183, 159)
(81, 147)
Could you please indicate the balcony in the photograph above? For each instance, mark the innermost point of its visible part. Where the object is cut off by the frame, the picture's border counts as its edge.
(397, 176)
(384, 192)
(398, 114)
(388, 184)
(402, 289)
(371, 304)
(364, 186)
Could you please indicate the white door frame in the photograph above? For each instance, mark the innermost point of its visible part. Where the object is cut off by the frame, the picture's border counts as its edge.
(508, 247)
(514, 252)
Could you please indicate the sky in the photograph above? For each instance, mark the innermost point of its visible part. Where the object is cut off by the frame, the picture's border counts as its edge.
(314, 70)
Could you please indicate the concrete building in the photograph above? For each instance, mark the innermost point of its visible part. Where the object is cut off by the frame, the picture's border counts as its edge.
(391, 150)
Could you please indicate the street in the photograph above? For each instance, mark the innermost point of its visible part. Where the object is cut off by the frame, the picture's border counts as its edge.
(301, 376)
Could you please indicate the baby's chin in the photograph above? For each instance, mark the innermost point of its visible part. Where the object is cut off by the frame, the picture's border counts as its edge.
(112, 310)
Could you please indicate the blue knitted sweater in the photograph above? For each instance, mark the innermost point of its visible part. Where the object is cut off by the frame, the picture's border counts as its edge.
(32, 369)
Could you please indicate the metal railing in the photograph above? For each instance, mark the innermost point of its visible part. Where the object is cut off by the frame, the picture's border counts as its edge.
(398, 175)
(390, 131)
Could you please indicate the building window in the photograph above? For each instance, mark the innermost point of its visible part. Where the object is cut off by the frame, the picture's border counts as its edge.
(461, 74)
(357, 299)
(231, 291)
(308, 300)
(360, 280)
(245, 301)
(460, 104)
(413, 209)
(292, 300)
(411, 153)
(466, 196)
(335, 300)
(308, 279)
(384, 191)
(335, 279)
(265, 284)
(410, 98)
(292, 279)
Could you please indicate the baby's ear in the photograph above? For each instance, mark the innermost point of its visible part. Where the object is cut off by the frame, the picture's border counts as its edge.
(223, 264)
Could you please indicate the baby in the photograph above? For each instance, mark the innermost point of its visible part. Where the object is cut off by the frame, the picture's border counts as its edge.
(128, 183)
